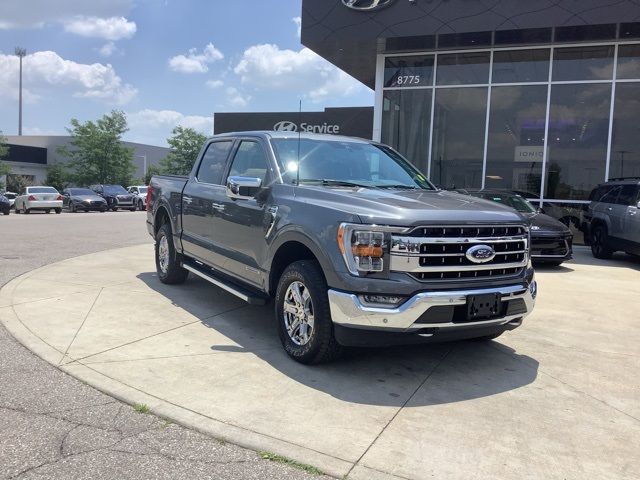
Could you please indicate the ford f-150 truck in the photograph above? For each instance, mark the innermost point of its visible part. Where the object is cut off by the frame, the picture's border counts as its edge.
(354, 245)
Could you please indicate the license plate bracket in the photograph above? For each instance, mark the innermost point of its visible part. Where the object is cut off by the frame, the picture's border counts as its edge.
(484, 306)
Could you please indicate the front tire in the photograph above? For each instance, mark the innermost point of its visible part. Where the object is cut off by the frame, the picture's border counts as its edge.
(167, 263)
(303, 314)
(599, 247)
(58, 211)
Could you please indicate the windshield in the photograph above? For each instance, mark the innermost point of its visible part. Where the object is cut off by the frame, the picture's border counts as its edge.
(114, 190)
(347, 163)
(42, 190)
(514, 201)
(81, 191)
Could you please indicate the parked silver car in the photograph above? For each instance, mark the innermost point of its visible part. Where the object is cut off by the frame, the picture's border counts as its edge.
(140, 194)
(613, 217)
(39, 198)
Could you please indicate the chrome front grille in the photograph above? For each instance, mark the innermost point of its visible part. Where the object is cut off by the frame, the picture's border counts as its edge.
(440, 252)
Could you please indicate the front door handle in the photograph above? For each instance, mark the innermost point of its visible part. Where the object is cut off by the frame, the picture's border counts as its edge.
(187, 199)
(217, 206)
(609, 208)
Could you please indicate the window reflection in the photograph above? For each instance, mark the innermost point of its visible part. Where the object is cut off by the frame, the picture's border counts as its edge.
(458, 137)
(406, 117)
(578, 133)
(463, 68)
(628, 61)
(625, 142)
(583, 63)
(516, 138)
(511, 66)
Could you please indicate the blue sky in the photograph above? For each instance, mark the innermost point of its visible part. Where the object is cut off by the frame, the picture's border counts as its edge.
(164, 62)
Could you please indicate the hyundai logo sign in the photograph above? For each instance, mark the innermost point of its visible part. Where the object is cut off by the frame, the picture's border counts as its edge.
(480, 254)
(285, 126)
(366, 5)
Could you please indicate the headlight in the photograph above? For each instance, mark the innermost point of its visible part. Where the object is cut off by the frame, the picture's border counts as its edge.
(363, 247)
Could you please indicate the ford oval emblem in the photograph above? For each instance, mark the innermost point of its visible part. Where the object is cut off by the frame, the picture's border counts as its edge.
(285, 126)
(480, 254)
(366, 5)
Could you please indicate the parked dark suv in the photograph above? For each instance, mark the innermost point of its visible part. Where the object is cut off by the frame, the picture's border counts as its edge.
(116, 196)
(613, 217)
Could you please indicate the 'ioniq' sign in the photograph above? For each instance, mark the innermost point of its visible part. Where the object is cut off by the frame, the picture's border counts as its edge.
(366, 5)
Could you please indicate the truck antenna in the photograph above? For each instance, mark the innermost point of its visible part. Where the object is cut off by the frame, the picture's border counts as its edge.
(299, 140)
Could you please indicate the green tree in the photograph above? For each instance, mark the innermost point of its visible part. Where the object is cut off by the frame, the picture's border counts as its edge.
(4, 168)
(97, 154)
(57, 177)
(185, 145)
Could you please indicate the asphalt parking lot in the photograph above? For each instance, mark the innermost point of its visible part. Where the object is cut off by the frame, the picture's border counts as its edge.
(53, 426)
(556, 398)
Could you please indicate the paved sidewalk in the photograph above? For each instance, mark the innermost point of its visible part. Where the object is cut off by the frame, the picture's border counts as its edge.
(53, 426)
(557, 398)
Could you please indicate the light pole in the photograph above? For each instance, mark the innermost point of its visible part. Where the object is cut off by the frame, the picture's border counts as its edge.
(20, 52)
(144, 165)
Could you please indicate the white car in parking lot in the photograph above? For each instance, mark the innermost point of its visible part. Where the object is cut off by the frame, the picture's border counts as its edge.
(11, 196)
(39, 198)
(140, 192)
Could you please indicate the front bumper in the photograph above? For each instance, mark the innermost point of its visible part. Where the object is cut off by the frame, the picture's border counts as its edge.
(551, 248)
(432, 312)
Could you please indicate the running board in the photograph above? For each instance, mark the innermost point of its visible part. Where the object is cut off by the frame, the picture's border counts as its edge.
(249, 297)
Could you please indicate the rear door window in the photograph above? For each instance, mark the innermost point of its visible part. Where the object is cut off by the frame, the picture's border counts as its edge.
(213, 163)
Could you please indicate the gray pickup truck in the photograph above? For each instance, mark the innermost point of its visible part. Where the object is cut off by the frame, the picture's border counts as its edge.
(351, 242)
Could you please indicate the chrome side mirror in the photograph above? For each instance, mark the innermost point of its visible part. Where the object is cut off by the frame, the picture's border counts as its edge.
(243, 188)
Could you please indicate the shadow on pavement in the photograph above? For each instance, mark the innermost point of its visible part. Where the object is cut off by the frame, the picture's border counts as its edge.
(457, 371)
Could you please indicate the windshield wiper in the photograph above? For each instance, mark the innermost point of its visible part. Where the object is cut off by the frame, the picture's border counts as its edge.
(339, 183)
(407, 187)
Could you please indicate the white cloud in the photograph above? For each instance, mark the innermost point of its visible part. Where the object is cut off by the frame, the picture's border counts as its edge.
(108, 49)
(300, 72)
(298, 22)
(214, 83)
(44, 70)
(112, 28)
(195, 62)
(158, 119)
(15, 14)
(236, 99)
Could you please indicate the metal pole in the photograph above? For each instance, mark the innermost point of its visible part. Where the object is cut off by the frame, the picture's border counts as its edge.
(20, 52)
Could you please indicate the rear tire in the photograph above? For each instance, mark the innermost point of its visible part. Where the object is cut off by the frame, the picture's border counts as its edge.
(27, 211)
(167, 260)
(132, 209)
(599, 247)
(303, 289)
(58, 211)
(114, 209)
(140, 205)
(47, 211)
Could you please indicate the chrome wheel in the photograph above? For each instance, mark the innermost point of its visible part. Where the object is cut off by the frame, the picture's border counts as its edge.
(163, 254)
(298, 313)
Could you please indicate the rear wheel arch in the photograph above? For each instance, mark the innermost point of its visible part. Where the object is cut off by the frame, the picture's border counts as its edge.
(161, 217)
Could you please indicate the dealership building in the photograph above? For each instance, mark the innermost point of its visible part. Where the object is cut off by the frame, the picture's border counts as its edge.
(538, 96)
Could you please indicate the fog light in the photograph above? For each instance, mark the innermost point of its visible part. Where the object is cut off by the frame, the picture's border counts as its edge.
(533, 289)
(388, 301)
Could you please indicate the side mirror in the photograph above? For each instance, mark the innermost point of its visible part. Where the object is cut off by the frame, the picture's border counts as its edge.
(243, 188)
(638, 205)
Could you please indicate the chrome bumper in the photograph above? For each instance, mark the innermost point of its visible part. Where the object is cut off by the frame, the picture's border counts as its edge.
(347, 309)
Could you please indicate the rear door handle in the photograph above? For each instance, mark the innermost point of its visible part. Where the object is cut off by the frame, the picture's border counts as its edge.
(217, 206)
(609, 208)
(187, 199)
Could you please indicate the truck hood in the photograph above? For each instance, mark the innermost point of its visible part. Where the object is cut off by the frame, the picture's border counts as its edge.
(408, 207)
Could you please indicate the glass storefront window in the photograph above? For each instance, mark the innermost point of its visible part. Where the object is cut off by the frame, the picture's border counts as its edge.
(463, 68)
(628, 61)
(515, 146)
(625, 142)
(578, 134)
(414, 71)
(583, 63)
(511, 66)
(458, 137)
(406, 117)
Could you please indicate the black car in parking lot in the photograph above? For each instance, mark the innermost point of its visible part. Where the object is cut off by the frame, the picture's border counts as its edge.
(84, 199)
(551, 240)
(116, 197)
(5, 205)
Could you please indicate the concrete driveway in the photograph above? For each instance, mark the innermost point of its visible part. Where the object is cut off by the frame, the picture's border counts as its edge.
(556, 398)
